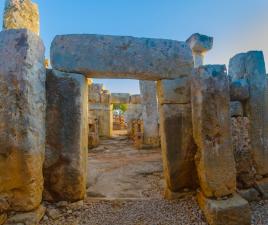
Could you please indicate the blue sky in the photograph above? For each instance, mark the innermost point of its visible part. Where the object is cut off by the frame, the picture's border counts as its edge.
(236, 25)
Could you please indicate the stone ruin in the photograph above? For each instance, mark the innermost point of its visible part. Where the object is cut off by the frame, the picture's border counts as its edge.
(212, 123)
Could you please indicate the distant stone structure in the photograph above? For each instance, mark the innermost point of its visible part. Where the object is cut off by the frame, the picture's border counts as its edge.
(205, 117)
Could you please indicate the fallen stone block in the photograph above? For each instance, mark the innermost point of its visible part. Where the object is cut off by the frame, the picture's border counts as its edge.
(178, 147)
(175, 91)
(103, 56)
(31, 218)
(239, 90)
(231, 211)
(22, 116)
(21, 14)
(236, 109)
(65, 167)
(212, 131)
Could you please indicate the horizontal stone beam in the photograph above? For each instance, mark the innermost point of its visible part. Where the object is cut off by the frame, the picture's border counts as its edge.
(103, 56)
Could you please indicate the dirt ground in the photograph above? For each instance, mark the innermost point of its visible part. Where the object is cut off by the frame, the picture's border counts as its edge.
(125, 187)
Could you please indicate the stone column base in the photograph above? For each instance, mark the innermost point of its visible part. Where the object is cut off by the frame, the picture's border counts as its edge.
(170, 195)
(232, 211)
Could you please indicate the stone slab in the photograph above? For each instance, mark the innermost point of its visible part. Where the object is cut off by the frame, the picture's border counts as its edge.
(22, 116)
(231, 211)
(263, 187)
(257, 109)
(212, 131)
(178, 147)
(135, 99)
(103, 56)
(65, 167)
(21, 14)
(200, 43)
(177, 91)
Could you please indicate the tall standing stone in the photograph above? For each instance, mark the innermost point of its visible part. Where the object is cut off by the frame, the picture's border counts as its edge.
(150, 113)
(177, 143)
(250, 66)
(21, 14)
(65, 167)
(212, 131)
(22, 116)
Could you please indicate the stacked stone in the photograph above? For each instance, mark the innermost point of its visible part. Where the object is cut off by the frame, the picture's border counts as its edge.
(215, 159)
(101, 109)
(150, 115)
(249, 83)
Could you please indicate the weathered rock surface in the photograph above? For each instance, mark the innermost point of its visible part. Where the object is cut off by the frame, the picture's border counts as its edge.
(236, 109)
(232, 211)
(175, 91)
(103, 56)
(178, 147)
(245, 171)
(212, 131)
(65, 167)
(21, 14)
(150, 113)
(239, 90)
(263, 187)
(120, 98)
(29, 218)
(22, 116)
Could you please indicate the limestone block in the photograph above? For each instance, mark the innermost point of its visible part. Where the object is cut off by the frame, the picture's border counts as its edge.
(134, 112)
(105, 98)
(212, 131)
(21, 14)
(65, 167)
(232, 211)
(178, 147)
(3, 218)
(103, 56)
(94, 97)
(22, 116)
(149, 113)
(257, 109)
(120, 98)
(200, 43)
(236, 109)
(237, 69)
(175, 91)
(31, 218)
(239, 90)
(96, 88)
(250, 194)
(135, 99)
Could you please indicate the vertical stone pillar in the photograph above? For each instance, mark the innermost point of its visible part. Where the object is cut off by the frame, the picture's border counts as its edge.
(178, 147)
(22, 116)
(215, 158)
(21, 14)
(65, 166)
(199, 44)
(150, 113)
